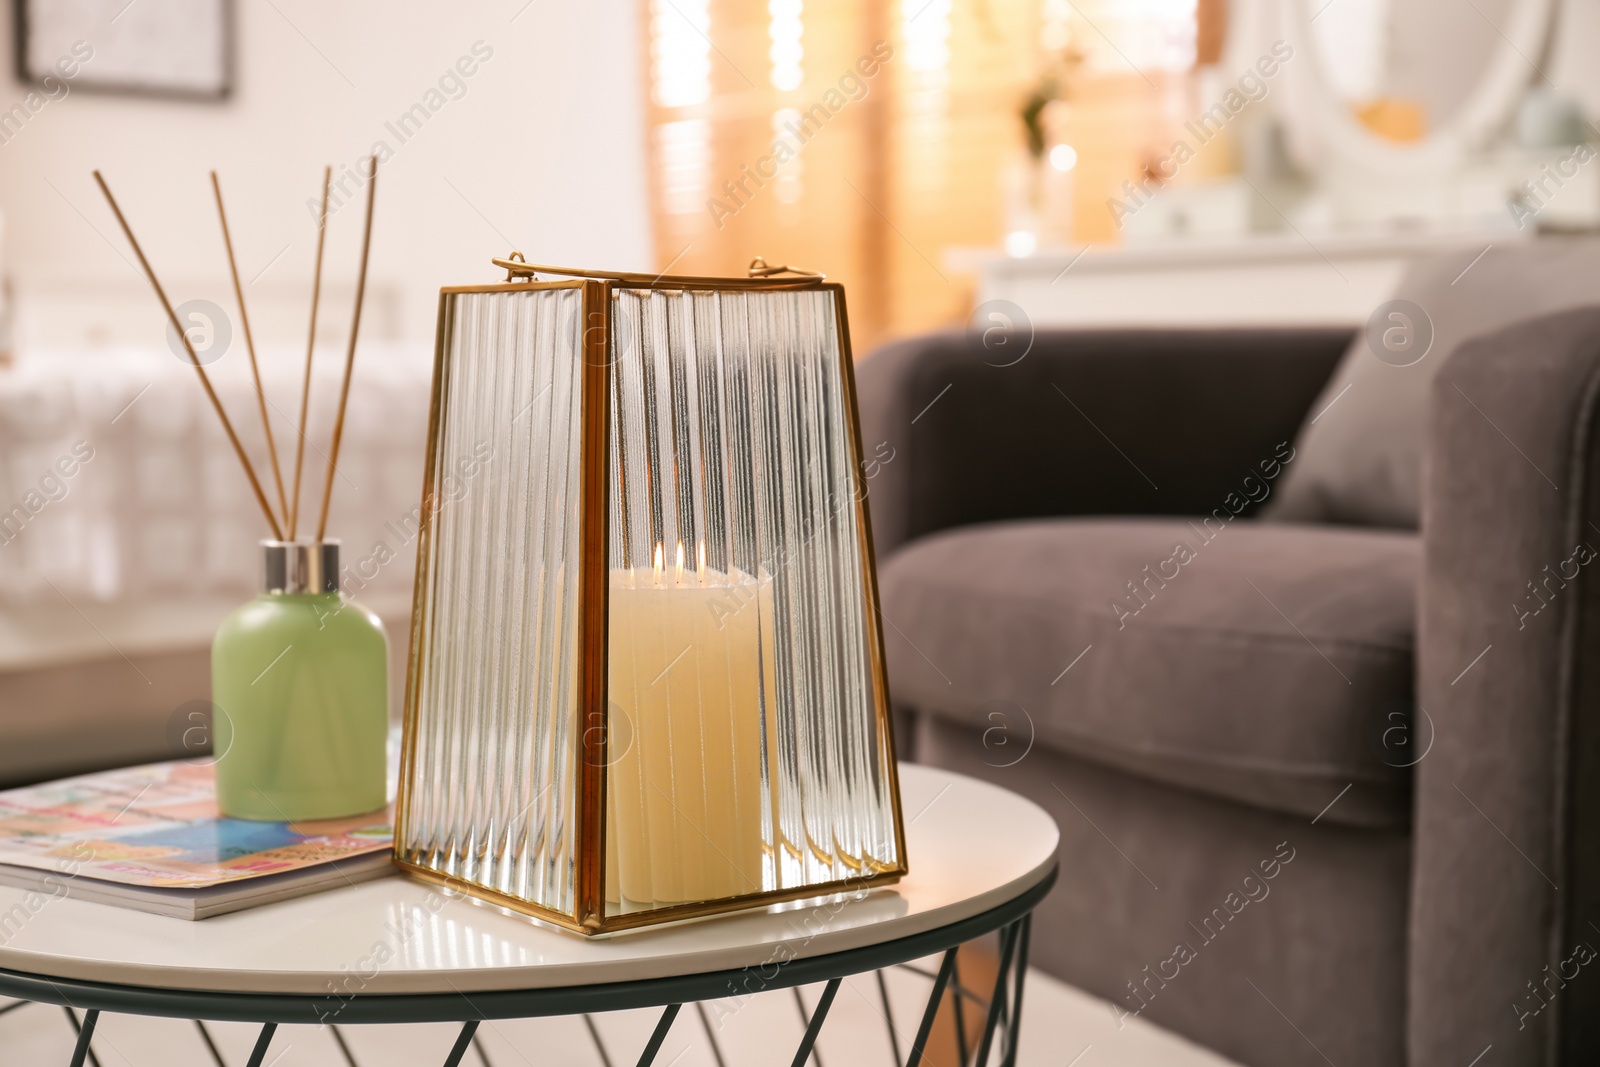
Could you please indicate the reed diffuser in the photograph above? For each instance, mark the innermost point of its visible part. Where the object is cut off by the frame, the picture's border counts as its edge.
(299, 675)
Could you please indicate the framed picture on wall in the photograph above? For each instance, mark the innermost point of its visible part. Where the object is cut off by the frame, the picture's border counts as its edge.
(181, 48)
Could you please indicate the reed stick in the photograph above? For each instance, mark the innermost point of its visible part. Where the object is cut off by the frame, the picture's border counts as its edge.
(350, 353)
(311, 344)
(205, 380)
(250, 348)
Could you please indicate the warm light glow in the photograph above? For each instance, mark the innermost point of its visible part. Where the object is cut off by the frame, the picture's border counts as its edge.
(680, 52)
(785, 30)
(789, 189)
(684, 165)
(923, 123)
(1128, 36)
(680, 561)
(657, 562)
(700, 558)
(925, 25)
(934, 141)
(1055, 31)
(1020, 243)
(1063, 157)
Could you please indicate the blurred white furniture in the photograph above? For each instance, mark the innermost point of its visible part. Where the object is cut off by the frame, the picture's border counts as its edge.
(113, 577)
(1263, 280)
(158, 513)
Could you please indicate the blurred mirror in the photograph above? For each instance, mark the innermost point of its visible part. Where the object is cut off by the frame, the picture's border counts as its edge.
(1406, 85)
(1406, 67)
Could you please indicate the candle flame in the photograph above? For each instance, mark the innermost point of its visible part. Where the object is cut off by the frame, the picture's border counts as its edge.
(680, 561)
(701, 557)
(657, 560)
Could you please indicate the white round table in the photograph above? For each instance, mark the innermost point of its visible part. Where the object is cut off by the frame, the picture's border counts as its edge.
(398, 950)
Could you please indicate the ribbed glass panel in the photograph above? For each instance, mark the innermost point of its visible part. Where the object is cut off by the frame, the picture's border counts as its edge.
(745, 749)
(491, 787)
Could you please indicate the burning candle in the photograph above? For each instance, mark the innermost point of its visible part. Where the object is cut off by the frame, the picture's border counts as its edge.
(691, 655)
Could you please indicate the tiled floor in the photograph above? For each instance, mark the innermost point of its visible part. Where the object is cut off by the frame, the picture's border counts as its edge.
(1062, 1027)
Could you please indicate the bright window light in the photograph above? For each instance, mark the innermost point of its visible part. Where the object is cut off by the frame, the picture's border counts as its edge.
(684, 159)
(680, 52)
(1021, 243)
(1128, 36)
(785, 29)
(925, 25)
(790, 187)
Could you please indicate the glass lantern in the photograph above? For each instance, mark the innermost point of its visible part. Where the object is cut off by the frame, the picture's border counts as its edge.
(646, 680)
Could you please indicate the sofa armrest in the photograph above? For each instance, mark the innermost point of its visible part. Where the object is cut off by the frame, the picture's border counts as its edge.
(1506, 882)
(1122, 422)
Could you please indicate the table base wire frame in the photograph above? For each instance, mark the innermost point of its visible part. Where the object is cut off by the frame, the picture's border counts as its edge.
(996, 1045)
(1002, 1018)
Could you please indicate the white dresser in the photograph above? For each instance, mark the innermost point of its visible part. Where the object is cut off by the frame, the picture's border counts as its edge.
(1267, 280)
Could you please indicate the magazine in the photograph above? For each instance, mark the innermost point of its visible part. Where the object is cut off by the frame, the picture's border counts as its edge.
(150, 838)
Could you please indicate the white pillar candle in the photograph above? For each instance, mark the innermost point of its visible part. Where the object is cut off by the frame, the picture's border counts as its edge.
(689, 650)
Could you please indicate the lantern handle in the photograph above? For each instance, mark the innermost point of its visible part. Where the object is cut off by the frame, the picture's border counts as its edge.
(760, 276)
(760, 269)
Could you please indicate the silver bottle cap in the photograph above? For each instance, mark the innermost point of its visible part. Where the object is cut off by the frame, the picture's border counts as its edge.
(300, 566)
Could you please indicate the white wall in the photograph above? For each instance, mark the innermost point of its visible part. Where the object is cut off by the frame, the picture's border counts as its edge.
(544, 152)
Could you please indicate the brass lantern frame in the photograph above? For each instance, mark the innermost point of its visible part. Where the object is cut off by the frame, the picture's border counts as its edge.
(591, 764)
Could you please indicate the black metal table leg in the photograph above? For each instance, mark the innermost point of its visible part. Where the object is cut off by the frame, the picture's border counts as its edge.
(888, 1016)
(344, 1048)
(933, 1008)
(813, 1028)
(956, 991)
(711, 1037)
(259, 1053)
(462, 1041)
(211, 1046)
(599, 1046)
(654, 1045)
(997, 999)
(85, 1034)
(805, 1020)
(1015, 1029)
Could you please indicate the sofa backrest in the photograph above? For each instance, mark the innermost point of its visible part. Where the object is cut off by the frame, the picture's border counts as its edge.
(1118, 422)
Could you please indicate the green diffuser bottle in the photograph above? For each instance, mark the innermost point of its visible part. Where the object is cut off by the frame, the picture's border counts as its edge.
(299, 677)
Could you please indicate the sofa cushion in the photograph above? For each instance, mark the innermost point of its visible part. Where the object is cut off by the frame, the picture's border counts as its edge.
(1266, 663)
(1360, 455)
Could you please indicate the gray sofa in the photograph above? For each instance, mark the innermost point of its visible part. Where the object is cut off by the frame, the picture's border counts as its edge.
(1266, 845)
